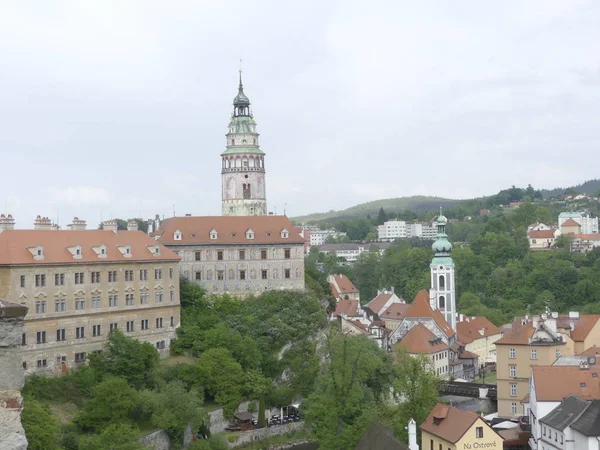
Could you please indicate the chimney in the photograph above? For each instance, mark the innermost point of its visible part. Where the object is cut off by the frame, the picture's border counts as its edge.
(132, 225)
(7, 222)
(551, 324)
(412, 435)
(77, 224)
(392, 289)
(150, 226)
(42, 223)
(110, 225)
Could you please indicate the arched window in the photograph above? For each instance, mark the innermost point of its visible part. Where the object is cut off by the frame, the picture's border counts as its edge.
(233, 142)
(442, 303)
(247, 193)
(442, 283)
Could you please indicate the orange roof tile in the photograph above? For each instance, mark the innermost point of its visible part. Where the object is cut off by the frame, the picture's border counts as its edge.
(588, 237)
(517, 336)
(469, 331)
(14, 245)
(570, 223)
(395, 311)
(420, 308)
(417, 341)
(345, 285)
(541, 234)
(553, 383)
(449, 423)
(379, 302)
(348, 307)
(230, 230)
(592, 351)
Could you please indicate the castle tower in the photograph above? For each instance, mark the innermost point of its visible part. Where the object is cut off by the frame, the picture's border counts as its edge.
(442, 294)
(243, 163)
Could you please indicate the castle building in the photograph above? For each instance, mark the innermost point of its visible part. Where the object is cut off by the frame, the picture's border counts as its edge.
(442, 292)
(243, 163)
(80, 284)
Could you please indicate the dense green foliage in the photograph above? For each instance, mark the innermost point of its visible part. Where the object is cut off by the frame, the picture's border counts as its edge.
(114, 437)
(43, 430)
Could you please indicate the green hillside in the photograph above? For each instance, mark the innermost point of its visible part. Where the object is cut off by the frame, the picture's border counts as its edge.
(392, 205)
(590, 187)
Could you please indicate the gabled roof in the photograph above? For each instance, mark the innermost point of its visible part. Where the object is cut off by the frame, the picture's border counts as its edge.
(379, 302)
(380, 438)
(419, 341)
(541, 234)
(588, 423)
(553, 383)
(344, 284)
(570, 223)
(230, 229)
(420, 308)
(517, 336)
(449, 423)
(588, 237)
(566, 413)
(348, 307)
(468, 331)
(396, 311)
(592, 351)
(15, 245)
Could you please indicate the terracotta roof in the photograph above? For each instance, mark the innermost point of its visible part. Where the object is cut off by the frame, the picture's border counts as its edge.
(348, 307)
(592, 351)
(469, 331)
(468, 355)
(417, 341)
(420, 308)
(379, 302)
(517, 336)
(588, 237)
(395, 311)
(553, 383)
(570, 223)
(59, 246)
(345, 285)
(449, 423)
(582, 325)
(230, 230)
(541, 234)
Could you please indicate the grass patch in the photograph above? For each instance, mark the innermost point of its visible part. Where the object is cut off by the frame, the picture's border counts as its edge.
(490, 378)
(174, 360)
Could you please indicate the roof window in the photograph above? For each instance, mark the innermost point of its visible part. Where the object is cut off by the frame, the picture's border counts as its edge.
(177, 235)
(284, 234)
(213, 234)
(249, 234)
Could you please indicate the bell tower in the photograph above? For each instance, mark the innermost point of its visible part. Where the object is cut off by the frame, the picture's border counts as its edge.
(243, 163)
(442, 294)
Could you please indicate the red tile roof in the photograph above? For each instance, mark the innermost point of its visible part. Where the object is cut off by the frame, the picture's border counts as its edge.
(553, 383)
(420, 308)
(449, 423)
(541, 234)
(417, 341)
(348, 307)
(588, 237)
(469, 331)
(378, 302)
(570, 223)
(230, 230)
(517, 336)
(396, 311)
(345, 285)
(14, 245)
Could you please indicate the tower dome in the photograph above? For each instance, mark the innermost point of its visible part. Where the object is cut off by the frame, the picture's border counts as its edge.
(442, 246)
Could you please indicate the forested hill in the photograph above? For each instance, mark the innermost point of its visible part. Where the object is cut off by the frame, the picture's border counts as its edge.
(414, 203)
(590, 187)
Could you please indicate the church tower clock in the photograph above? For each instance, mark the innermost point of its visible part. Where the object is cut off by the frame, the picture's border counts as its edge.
(442, 293)
(243, 163)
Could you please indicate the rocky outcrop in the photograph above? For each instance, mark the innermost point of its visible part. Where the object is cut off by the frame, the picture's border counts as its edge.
(12, 376)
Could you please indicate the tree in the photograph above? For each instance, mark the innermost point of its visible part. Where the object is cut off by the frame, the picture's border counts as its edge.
(222, 376)
(119, 436)
(41, 427)
(382, 216)
(570, 191)
(128, 358)
(112, 402)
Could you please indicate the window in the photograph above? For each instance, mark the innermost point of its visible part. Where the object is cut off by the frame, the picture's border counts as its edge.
(220, 255)
(512, 354)
(264, 274)
(129, 326)
(40, 280)
(59, 279)
(440, 447)
(143, 275)
(22, 281)
(513, 408)
(557, 353)
(555, 437)
(479, 432)
(158, 274)
(431, 444)
(513, 390)
(113, 326)
(24, 339)
(79, 332)
(112, 276)
(172, 296)
(129, 299)
(41, 337)
(242, 254)
(198, 276)
(220, 274)
(129, 275)
(513, 371)
(40, 307)
(144, 298)
(61, 334)
(96, 330)
(24, 365)
(442, 283)
(41, 363)
(113, 300)
(79, 278)
(159, 322)
(197, 256)
(171, 272)
(172, 321)
(242, 274)
(263, 254)
(96, 302)
(287, 273)
(158, 297)
(80, 357)
(79, 304)
(544, 428)
(96, 277)
(144, 324)
(561, 439)
(287, 253)
(533, 353)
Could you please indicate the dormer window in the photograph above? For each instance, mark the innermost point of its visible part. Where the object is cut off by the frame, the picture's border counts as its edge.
(213, 234)
(249, 234)
(100, 251)
(284, 234)
(37, 252)
(154, 249)
(177, 235)
(76, 251)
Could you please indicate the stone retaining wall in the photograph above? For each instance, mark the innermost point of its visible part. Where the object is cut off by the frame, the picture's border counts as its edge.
(246, 437)
(159, 440)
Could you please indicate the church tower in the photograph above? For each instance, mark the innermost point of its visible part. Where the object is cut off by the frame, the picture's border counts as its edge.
(243, 163)
(442, 294)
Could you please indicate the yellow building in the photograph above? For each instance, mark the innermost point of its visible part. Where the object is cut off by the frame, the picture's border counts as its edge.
(80, 284)
(448, 428)
(479, 335)
(539, 340)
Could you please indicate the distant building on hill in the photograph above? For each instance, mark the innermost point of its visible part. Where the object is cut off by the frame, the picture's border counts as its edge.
(350, 252)
(587, 221)
(398, 229)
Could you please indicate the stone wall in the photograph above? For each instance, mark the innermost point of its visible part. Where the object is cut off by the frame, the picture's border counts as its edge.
(158, 440)
(12, 377)
(218, 421)
(246, 437)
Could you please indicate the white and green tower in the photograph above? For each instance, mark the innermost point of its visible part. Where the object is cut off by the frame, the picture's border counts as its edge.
(243, 163)
(442, 293)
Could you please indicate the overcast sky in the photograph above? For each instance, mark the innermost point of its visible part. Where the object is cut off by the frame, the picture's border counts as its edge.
(119, 108)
